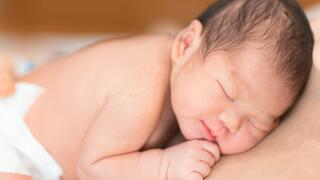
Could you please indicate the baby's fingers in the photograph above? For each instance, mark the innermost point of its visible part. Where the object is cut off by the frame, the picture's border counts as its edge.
(212, 148)
(203, 168)
(207, 157)
(194, 176)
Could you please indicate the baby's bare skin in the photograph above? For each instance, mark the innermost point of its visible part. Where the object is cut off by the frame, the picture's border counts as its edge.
(6, 75)
(108, 107)
(62, 116)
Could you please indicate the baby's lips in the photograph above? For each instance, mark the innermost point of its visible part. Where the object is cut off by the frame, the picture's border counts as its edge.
(207, 132)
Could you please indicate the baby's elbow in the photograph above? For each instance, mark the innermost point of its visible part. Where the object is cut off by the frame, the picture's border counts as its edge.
(86, 164)
(94, 169)
(84, 170)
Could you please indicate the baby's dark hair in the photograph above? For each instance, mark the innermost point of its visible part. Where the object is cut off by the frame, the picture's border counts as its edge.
(280, 25)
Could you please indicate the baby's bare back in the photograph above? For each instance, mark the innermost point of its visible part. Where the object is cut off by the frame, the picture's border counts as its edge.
(78, 85)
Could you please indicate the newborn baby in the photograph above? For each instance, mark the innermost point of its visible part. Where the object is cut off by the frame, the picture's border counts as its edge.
(225, 80)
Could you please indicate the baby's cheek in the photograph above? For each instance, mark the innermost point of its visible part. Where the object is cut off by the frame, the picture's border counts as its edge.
(239, 142)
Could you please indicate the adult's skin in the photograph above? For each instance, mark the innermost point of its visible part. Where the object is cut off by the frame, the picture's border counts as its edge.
(292, 151)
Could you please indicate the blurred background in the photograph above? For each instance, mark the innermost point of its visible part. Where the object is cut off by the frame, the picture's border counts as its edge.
(41, 29)
(101, 16)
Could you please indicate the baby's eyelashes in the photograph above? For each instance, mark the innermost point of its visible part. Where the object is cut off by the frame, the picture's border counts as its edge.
(260, 125)
(224, 91)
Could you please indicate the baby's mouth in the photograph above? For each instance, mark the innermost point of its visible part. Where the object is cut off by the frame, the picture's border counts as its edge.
(207, 132)
(213, 134)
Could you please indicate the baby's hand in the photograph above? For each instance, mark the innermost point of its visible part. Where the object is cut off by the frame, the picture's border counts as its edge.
(6, 75)
(191, 160)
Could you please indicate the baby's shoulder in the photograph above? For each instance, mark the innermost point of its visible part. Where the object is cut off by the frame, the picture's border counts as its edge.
(142, 44)
(147, 39)
(141, 59)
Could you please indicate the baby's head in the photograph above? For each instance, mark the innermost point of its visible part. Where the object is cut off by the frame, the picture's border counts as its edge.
(238, 68)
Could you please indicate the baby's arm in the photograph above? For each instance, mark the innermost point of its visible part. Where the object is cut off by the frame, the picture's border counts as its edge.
(11, 176)
(110, 149)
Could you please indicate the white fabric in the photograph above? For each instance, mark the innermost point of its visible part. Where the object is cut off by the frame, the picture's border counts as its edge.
(20, 152)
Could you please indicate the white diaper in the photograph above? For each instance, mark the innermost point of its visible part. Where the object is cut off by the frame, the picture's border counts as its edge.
(20, 152)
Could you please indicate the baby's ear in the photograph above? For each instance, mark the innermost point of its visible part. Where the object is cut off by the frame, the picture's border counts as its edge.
(187, 41)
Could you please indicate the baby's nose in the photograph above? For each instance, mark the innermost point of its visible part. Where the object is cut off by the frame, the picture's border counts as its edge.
(232, 120)
(217, 127)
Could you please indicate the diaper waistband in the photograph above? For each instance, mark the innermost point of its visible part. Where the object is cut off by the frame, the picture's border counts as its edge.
(22, 99)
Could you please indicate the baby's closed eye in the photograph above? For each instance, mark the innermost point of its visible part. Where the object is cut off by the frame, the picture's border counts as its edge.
(224, 91)
(259, 125)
